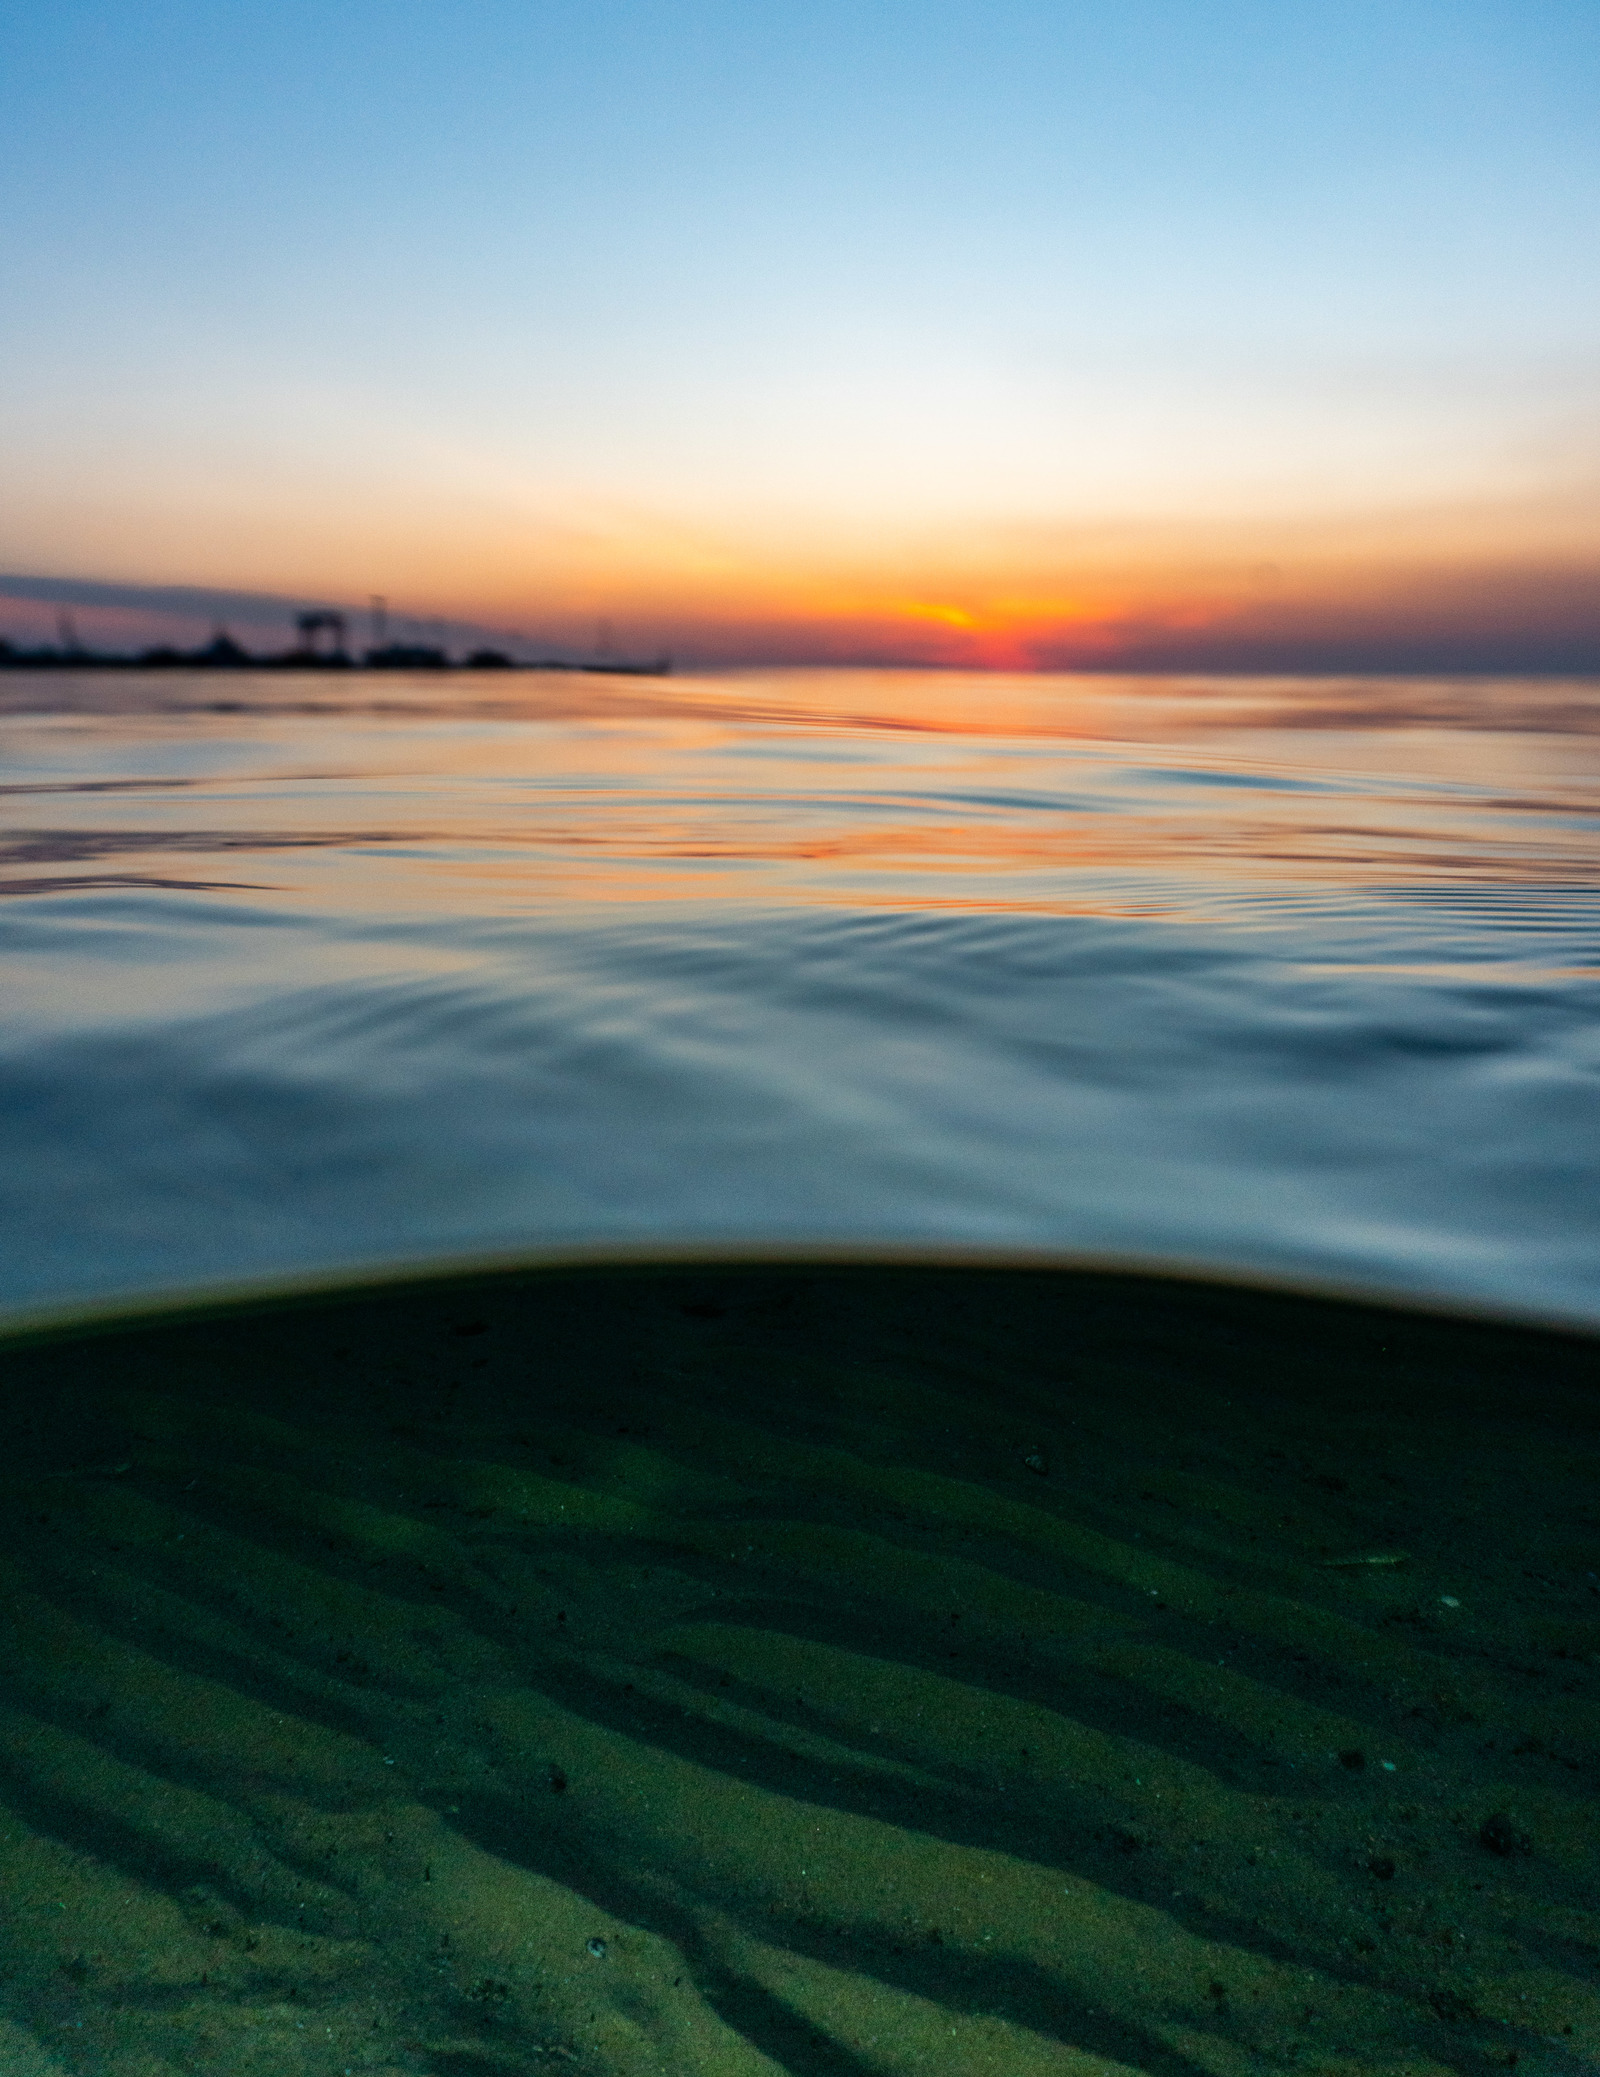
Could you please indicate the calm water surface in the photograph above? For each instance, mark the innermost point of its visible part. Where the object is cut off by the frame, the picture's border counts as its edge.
(312, 972)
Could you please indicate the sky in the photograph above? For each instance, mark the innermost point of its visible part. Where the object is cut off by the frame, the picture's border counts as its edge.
(1202, 333)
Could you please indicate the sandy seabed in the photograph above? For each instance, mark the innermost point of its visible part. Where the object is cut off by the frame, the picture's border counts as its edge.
(810, 1669)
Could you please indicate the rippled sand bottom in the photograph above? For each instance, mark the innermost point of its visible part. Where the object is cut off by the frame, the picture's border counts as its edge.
(809, 1669)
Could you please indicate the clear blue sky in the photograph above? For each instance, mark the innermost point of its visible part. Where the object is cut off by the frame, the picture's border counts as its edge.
(528, 307)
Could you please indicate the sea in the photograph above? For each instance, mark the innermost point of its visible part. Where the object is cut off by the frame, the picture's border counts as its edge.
(308, 974)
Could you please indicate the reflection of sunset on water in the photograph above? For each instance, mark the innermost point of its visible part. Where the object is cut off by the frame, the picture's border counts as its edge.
(1245, 969)
(1076, 796)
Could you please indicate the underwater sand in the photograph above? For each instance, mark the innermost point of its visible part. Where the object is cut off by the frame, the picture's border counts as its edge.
(831, 1670)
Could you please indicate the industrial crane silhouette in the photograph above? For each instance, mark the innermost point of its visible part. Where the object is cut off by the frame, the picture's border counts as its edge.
(316, 624)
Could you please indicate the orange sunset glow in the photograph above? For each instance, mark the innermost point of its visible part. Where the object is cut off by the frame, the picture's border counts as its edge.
(1453, 587)
(1260, 364)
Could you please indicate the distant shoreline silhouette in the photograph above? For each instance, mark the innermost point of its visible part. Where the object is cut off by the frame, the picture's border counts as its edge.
(223, 653)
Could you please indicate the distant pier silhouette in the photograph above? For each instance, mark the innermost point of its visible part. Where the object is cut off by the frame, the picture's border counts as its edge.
(321, 644)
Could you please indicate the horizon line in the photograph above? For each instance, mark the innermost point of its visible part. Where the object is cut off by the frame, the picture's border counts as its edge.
(1133, 650)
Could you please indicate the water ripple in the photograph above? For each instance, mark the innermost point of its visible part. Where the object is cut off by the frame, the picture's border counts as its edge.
(1266, 974)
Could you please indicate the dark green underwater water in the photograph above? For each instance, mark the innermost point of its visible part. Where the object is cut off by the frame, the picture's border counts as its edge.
(848, 1672)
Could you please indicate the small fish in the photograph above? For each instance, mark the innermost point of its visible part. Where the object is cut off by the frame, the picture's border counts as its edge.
(1366, 1558)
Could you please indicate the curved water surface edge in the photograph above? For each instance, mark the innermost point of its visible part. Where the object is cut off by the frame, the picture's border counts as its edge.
(195, 1090)
(1297, 976)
